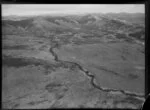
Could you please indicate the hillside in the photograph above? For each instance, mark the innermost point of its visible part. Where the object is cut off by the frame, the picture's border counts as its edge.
(90, 24)
(73, 61)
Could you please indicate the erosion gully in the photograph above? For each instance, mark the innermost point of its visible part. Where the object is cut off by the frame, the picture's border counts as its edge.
(91, 76)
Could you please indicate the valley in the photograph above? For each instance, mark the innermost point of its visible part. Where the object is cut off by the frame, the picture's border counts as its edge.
(89, 61)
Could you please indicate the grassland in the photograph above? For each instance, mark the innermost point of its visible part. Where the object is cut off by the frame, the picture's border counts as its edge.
(113, 64)
(45, 66)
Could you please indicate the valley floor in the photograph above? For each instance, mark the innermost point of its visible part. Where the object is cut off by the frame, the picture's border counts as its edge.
(38, 74)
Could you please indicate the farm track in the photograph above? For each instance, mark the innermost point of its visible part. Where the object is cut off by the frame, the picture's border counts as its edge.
(91, 76)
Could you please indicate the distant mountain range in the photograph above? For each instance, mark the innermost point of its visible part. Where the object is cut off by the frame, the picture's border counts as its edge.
(97, 24)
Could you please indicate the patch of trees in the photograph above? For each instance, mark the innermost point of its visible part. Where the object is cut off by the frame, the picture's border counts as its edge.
(140, 35)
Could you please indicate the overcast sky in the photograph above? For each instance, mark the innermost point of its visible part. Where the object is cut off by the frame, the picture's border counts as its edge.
(28, 9)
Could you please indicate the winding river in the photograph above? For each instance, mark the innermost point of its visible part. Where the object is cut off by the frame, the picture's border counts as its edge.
(91, 76)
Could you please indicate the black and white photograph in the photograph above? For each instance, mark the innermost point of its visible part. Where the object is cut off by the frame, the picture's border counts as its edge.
(73, 56)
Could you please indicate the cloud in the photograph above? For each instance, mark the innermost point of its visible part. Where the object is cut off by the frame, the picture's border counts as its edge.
(32, 9)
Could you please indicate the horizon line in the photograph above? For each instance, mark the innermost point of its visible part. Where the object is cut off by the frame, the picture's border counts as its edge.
(74, 13)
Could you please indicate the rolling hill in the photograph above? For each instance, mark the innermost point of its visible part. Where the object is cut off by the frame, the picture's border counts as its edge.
(91, 23)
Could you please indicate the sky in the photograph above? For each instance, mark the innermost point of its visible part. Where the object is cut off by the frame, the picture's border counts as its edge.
(38, 9)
